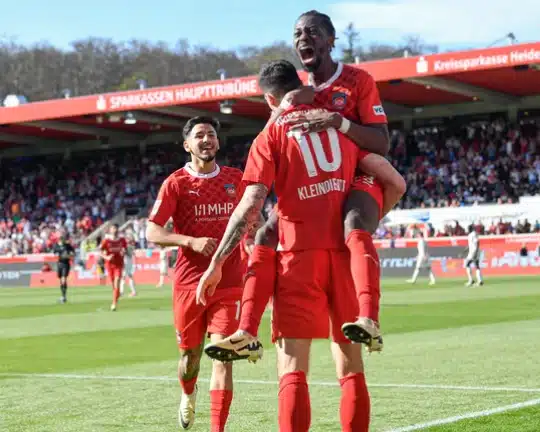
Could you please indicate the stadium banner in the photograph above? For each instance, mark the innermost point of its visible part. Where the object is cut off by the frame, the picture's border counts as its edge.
(500, 257)
(246, 87)
(486, 213)
(28, 270)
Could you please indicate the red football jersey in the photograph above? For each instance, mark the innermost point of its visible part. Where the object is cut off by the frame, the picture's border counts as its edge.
(116, 248)
(312, 174)
(200, 205)
(353, 93)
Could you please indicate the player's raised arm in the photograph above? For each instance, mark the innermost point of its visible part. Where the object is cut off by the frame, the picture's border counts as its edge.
(244, 219)
(373, 135)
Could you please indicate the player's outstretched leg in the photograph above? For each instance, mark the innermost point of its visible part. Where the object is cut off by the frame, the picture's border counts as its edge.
(221, 392)
(355, 401)
(359, 224)
(188, 372)
(258, 288)
(294, 406)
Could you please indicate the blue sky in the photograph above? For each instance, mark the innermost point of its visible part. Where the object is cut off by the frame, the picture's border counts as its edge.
(231, 23)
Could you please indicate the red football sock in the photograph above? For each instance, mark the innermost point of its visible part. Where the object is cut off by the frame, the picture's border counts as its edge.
(116, 295)
(188, 385)
(258, 288)
(366, 273)
(220, 402)
(355, 404)
(294, 407)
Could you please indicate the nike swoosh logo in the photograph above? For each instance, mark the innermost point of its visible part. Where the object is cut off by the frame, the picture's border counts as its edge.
(235, 342)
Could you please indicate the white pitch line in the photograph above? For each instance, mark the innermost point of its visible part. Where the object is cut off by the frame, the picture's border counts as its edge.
(472, 415)
(264, 382)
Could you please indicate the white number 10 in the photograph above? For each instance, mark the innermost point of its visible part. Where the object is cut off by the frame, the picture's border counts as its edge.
(320, 155)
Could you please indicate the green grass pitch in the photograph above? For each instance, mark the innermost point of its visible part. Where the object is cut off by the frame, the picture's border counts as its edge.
(455, 359)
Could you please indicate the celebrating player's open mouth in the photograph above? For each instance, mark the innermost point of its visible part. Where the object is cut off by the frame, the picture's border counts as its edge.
(309, 43)
(209, 150)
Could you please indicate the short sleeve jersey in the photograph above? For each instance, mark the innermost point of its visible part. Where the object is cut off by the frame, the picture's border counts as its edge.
(353, 93)
(200, 205)
(311, 173)
(114, 247)
(64, 252)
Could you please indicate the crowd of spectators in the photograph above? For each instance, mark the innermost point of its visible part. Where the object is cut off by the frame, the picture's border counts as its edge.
(480, 162)
(44, 198)
(445, 166)
(496, 227)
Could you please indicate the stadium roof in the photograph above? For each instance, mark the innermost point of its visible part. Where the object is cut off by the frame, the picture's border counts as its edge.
(439, 85)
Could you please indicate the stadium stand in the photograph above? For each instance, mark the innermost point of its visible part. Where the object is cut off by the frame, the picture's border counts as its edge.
(445, 166)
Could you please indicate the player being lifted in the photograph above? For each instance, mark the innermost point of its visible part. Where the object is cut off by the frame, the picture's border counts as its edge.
(65, 253)
(312, 175)
(473, 257)
(352, 105)
(423, 260)
(113, 249)
(129, 267)
(200, 199)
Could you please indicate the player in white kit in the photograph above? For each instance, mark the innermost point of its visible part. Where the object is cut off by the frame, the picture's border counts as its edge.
(129, 267)
(423, 261)
(473, 257)
(163, 266)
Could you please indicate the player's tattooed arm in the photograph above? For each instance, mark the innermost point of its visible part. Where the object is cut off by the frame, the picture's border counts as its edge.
(245, 218)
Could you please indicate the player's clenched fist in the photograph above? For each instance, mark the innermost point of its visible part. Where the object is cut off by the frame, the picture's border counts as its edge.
(204, 245)
(208, 282)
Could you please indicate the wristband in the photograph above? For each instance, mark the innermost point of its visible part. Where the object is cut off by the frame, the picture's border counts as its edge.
(285, 104)
(345, 125)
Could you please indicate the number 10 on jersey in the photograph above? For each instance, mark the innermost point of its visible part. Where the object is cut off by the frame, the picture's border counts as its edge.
(316, 142)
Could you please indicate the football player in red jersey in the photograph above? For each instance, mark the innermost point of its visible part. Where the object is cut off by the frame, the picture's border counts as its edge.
(352, 105)
(200, 198)
(312, 175)
(113, 248)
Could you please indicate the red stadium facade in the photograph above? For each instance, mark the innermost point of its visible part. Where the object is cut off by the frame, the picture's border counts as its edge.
(504, 80)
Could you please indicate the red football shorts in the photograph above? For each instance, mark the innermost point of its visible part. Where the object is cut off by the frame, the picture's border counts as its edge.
(314, 295)
(221, 315)
(371, 186)
(114, 271)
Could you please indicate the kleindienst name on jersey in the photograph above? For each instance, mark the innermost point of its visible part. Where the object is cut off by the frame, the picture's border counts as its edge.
(322, 188)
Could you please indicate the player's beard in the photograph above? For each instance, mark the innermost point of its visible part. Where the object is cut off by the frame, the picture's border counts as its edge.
(207, 158)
